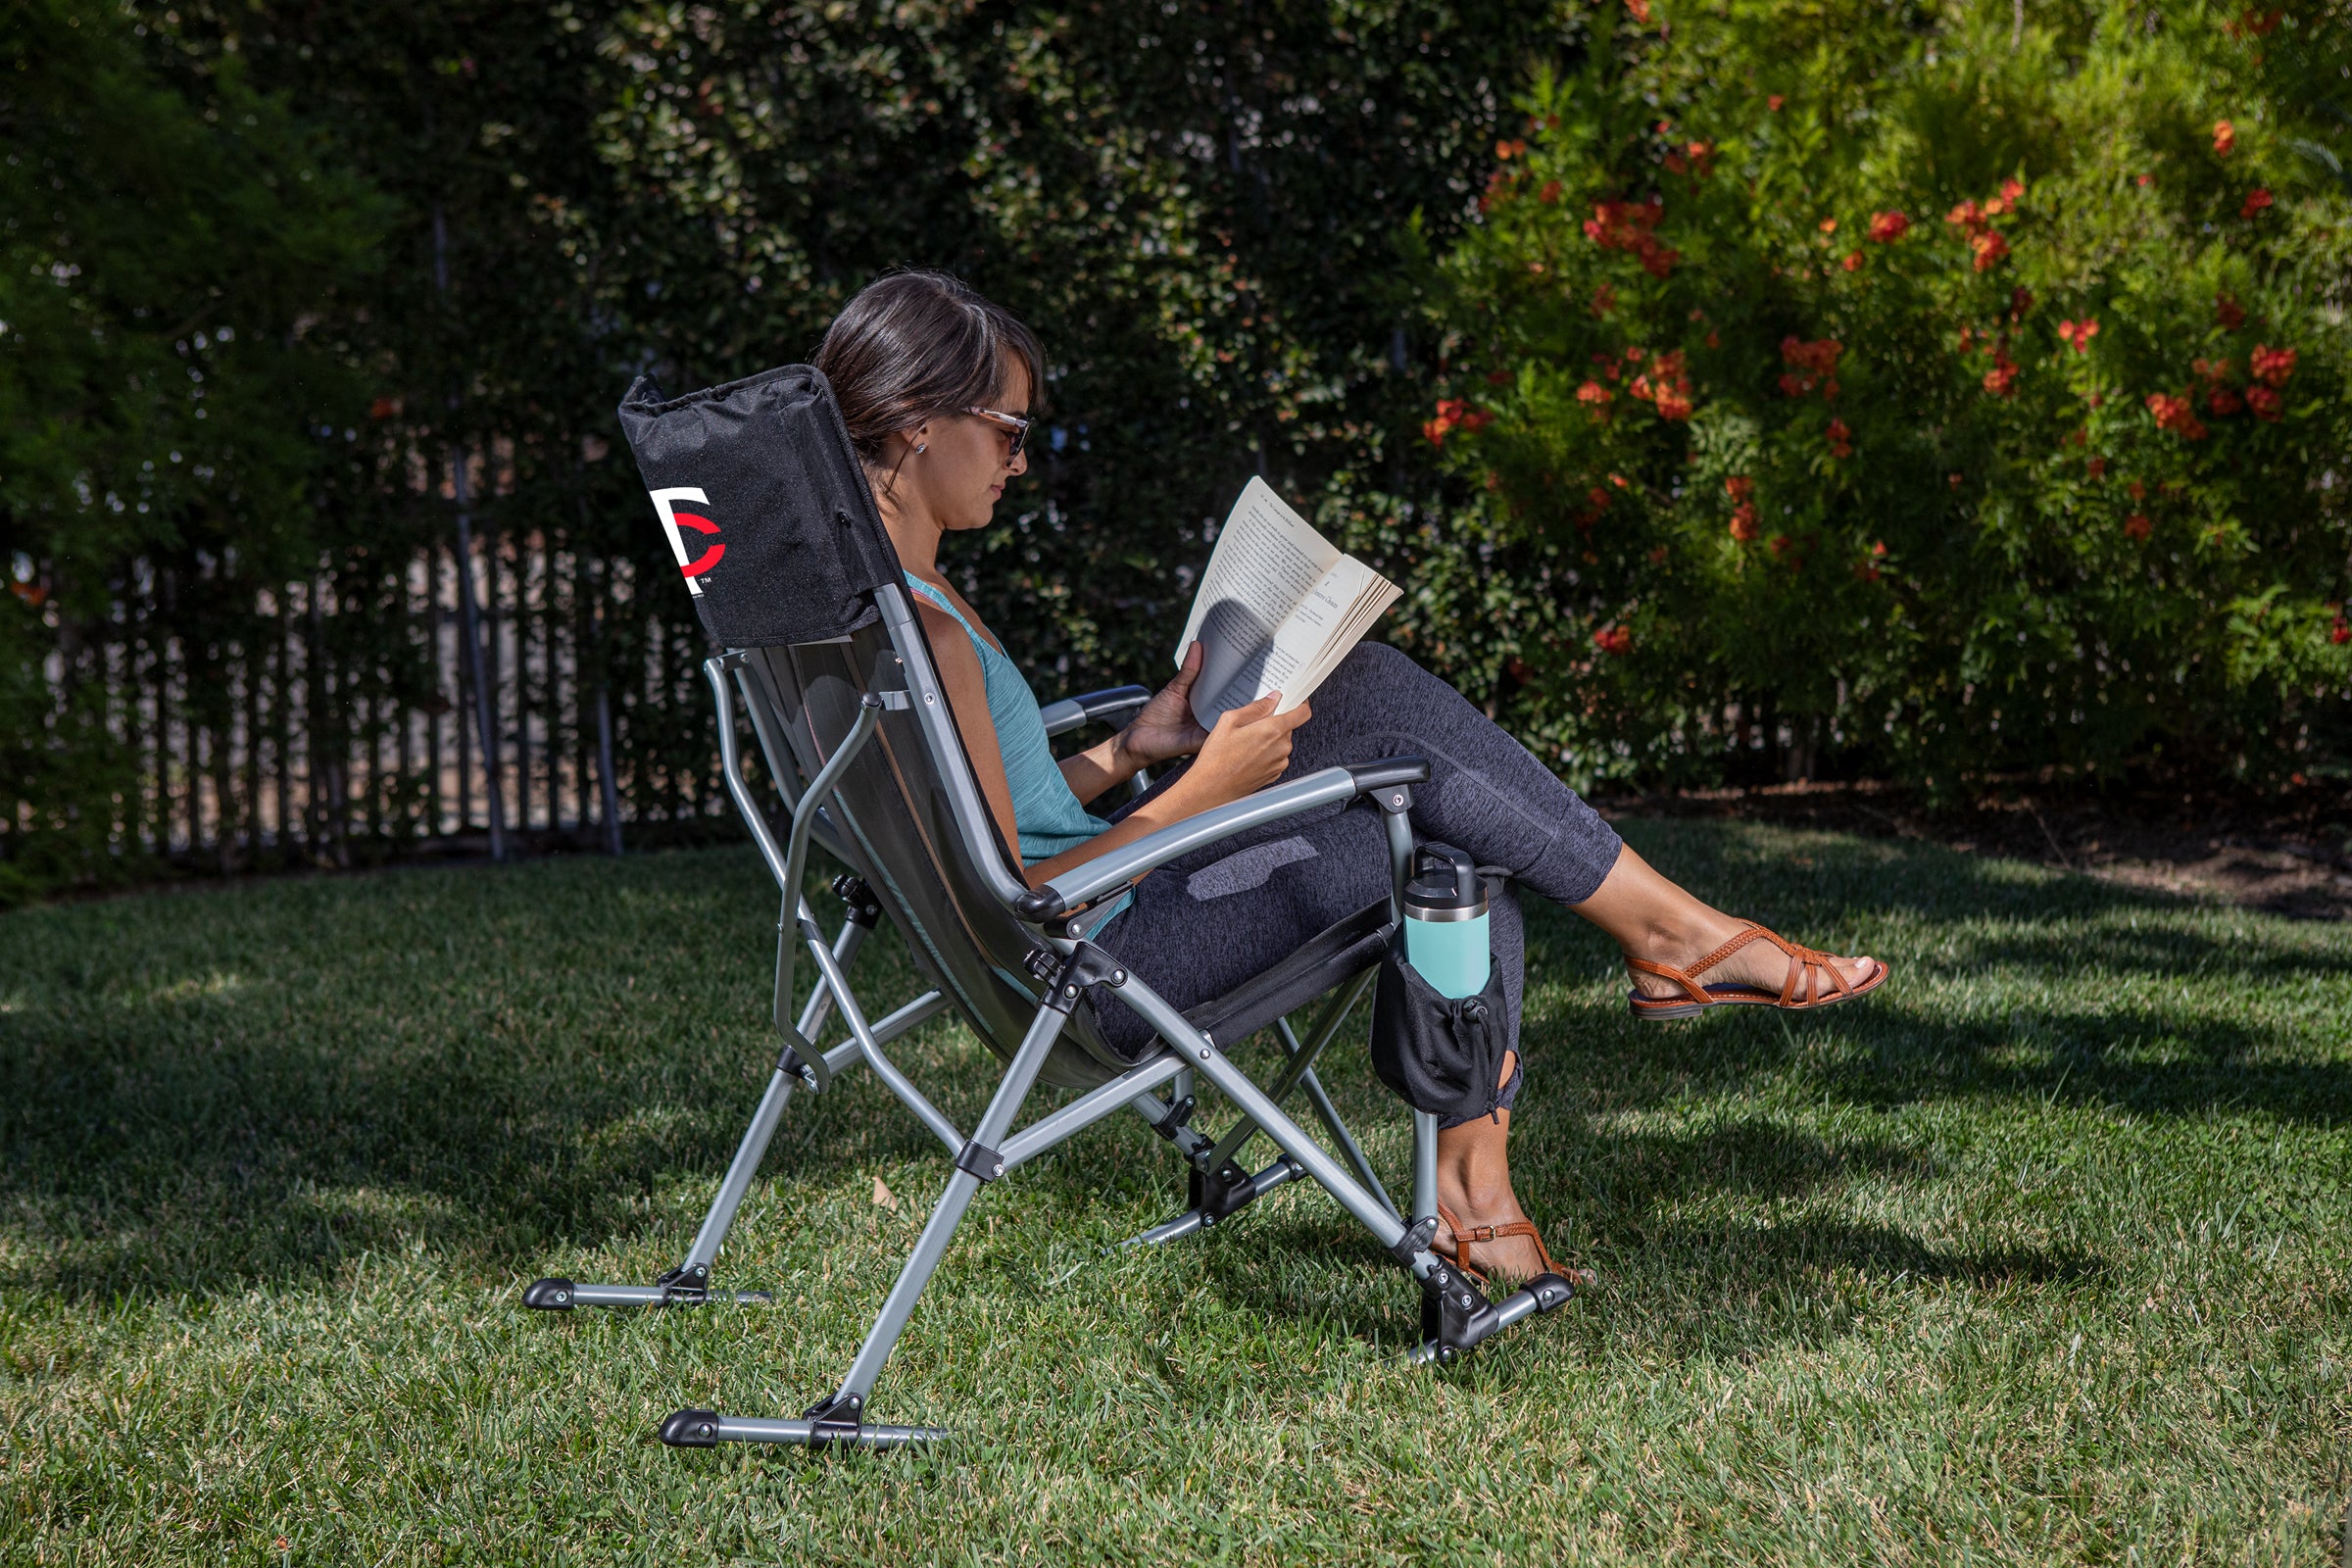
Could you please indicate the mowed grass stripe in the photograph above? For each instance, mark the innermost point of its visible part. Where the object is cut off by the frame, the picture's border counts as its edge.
(2042, 1256)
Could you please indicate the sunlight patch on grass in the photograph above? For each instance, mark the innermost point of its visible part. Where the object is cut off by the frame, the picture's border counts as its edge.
(2043, 1255)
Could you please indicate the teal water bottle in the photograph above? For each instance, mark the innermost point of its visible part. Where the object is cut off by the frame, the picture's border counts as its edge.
(1445, 921)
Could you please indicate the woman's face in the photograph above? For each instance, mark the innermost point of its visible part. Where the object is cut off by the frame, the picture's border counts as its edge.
(963, 469)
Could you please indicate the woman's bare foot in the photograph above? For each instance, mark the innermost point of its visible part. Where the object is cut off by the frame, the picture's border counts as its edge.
(1511, 1258)
(1474, 1187)
(1657, 920)
(1759, 963)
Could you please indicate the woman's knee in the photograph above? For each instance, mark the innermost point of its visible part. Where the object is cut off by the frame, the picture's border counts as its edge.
(1378, 661)
(1369, 681)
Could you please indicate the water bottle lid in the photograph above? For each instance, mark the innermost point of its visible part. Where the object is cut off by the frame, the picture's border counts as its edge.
(1445, 886)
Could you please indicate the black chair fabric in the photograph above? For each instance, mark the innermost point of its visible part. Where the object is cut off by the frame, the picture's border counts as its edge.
(764, 505)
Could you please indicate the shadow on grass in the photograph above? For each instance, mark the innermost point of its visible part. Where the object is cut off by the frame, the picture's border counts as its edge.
(1679, 1286)
(476, 1077)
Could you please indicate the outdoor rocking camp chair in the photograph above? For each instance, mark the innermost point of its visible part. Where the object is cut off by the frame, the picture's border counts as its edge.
(833, 668)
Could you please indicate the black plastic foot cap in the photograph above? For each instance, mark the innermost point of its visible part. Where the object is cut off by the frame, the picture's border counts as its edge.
(691, 1428)
(1552, 1293)
(549, 1295)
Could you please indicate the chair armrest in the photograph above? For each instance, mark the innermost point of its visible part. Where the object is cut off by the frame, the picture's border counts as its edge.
(1072, 711)
(1106, 874)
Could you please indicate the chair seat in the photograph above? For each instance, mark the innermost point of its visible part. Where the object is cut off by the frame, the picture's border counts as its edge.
(1330, 960)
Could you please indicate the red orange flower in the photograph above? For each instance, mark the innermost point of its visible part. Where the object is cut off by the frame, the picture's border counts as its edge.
(2137, 525)
(2256, 200)
(2001, 380)
(2224, 138)
(2229, 312)
(1595, 396)
(2097, 467)
(1549, 193)
(1614, 640)
(2266, 404)
(1989, 246)
(2079, 333)
(1887, 227)
(1454, 415)
(2174, 413)
(1774, 103)
(1816, 363)
(2272, 366)
(1841, 439)
(1665, 385)
(1852, 262)
(1626, 226)
(1640, 9)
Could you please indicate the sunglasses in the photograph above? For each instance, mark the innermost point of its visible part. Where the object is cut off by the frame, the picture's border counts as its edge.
(1016, 428)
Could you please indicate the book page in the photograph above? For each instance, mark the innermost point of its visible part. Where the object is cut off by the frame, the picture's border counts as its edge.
(1267, 560)
(1339, 611)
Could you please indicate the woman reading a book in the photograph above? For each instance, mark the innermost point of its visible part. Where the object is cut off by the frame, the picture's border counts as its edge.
(935, 383)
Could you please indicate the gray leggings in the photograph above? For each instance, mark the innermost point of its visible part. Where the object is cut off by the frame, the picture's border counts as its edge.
(1203, 925)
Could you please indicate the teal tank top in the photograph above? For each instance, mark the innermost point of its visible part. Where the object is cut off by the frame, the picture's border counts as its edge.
(1049, 816)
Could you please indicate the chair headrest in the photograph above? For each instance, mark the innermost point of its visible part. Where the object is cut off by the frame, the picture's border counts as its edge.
(763, 501)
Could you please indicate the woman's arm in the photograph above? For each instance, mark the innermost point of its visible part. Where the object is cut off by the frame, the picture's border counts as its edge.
(1246, 752)
(1162, 729)
(966, 687)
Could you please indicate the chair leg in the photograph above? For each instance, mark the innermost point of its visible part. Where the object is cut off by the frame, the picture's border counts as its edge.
(1349, 1150)
(1218, 1187)
(840, 1418)
(1456, 1315)
(688, 1284)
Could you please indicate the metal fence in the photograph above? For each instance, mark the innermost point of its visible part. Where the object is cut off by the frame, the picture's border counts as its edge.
(335, 719)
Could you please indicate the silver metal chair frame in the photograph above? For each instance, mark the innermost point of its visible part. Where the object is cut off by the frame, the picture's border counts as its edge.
(961, 933)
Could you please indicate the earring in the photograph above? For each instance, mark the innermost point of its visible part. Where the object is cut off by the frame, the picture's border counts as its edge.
(921, 448)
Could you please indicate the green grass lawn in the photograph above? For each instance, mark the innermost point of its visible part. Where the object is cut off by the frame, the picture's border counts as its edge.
(2044, 1253)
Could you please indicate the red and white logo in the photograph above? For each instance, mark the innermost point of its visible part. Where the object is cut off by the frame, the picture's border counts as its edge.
(674, 524)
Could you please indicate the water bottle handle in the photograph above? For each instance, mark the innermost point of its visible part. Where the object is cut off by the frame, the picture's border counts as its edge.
(1431, 856)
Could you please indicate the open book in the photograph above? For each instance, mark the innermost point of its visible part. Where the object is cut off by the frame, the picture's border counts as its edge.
(1278, 609)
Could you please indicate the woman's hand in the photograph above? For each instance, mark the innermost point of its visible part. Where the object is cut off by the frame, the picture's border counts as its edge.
(1164, 726)
(1246, 752)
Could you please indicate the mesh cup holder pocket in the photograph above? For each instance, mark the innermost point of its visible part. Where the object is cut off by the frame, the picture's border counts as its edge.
(1438, 1054)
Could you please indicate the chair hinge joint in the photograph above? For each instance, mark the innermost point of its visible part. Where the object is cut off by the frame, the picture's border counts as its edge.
(1172, 1123)
(1087, 966)
(811, 1069)
(836, 1418)
(1416, 1240)
(976, 1158)
(864, 907)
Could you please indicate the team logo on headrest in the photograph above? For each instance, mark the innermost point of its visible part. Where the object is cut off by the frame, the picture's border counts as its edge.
(674, 524)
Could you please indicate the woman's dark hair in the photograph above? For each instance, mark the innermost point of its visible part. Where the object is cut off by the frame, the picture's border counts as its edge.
(915, 345)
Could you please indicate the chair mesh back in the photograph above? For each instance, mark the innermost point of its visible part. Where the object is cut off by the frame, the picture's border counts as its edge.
(892, 815)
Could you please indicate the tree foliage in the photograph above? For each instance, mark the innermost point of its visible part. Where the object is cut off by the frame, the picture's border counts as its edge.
(172, 382)
(1953, 388)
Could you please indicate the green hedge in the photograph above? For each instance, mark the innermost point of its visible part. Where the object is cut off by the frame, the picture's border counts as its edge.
(1934, 391)
(1257, 237)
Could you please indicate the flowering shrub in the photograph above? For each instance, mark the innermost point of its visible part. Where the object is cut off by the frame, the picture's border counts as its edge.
(1964, 398)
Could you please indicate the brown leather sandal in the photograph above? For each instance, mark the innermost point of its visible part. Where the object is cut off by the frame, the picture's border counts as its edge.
(1584, 1279)
(1806, 965)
